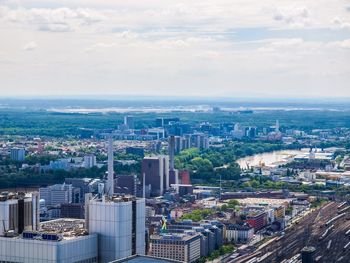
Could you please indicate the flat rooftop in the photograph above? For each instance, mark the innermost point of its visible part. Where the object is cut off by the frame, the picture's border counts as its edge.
(173, 236)
(145, 259)
(5, 196)
(116, 198)
(265, 201)
(65, 227)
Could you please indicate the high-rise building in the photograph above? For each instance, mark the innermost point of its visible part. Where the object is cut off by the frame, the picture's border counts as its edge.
(277, 126)
(18, 212)
(126, 184)
(119, 221)
(84, 186)
(173, 173)
(89, 161)
(56, 194)
(18, 154)
(129, 122)
(156, 172)
(200, 141)
(120, 225)
(180, 247)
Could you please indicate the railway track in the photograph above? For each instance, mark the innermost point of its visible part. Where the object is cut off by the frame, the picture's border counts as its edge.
(334, 246)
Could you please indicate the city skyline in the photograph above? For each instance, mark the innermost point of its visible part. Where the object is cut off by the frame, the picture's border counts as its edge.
(159, 48)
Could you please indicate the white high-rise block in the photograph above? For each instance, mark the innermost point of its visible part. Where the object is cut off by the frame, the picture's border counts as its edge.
(120, 225)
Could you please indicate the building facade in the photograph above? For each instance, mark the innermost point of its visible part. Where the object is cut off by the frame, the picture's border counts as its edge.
(156, 172)
(120, 225)
(17, 154)
(181, 247)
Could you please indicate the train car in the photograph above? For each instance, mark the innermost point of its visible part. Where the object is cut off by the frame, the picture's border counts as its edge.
(318, 259)
(346, 246)
(347, 233)
(341, 205)
(325, 234)
(253, 260)
(330, 221)
(344, 210)
(329, 244)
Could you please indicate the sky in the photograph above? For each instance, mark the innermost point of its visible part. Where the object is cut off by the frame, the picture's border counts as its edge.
(197, 48)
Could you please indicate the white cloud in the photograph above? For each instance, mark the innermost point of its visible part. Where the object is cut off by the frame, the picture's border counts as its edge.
(293, 16)
(57, 19)
(30, 46)
(341, 44)
(159, 46)
(340, 23)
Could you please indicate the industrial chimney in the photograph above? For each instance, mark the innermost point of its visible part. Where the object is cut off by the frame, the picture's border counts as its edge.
(110, 179)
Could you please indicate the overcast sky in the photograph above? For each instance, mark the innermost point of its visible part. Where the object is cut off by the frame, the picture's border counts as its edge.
(214, 48)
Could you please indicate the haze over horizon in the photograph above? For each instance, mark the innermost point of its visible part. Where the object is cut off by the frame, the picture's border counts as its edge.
(242, 48)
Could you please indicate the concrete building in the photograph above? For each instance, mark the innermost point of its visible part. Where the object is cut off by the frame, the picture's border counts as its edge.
(56, 194)
(200, 141)
(173, 173)
(126, 184)
(59, 241)
(17, 154)
(120, 225)
(129, 122)
(239, 233)
(72, 211)
(89, 161)
(18, 212)
(84, 185)
(181, 247)
(211, 233)
(257, 219)
(156, 172)
(183, 189)
(119, 221)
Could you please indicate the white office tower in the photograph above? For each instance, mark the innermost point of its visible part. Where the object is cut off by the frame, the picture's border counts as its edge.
(277, 126)
(56, 194)
(129, 122)
(110, 179)
(89, 161)
(18, 154)
(119, 221)
(120, 225)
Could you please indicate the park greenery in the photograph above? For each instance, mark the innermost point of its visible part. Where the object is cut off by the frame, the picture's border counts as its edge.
(223, 250)
(209, 164)
(197, 215)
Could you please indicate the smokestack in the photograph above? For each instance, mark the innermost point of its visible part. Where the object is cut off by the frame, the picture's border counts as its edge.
(144, 185)
(171, 150)
(110, 178)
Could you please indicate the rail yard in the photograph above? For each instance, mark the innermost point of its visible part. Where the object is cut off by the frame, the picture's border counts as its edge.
(327, 229)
